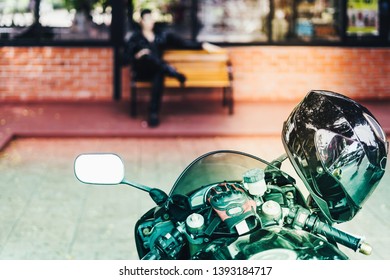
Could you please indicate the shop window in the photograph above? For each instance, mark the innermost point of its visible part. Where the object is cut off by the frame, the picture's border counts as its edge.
(14, 17)
(363, 17)
(282, 20)
(217, 21)
(55, 20)
(233, 21)
(175, 15)
(306, 20)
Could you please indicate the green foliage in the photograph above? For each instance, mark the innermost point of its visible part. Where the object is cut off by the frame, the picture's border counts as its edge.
(153, 5)
(86, 5)
(12, 6)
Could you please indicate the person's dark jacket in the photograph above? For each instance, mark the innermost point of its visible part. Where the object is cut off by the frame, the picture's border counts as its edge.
(162, 41)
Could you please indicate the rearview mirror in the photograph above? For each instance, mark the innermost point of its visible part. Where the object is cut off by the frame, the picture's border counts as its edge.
(101, 169)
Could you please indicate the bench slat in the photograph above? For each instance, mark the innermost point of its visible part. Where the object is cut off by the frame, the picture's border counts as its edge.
(171, 83)
(195, 56)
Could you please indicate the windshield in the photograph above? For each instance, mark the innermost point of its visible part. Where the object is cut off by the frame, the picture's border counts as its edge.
(217, 167)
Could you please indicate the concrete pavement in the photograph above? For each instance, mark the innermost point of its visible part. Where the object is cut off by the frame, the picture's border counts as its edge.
(48, 214)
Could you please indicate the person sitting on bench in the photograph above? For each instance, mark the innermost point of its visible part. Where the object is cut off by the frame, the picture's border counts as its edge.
(144, 51)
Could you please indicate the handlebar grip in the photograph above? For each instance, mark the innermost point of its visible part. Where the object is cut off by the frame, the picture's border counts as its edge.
(341, 237)
(151, 256)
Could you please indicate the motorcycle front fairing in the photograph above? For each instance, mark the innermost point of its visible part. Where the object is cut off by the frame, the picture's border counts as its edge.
(221, 166)
(189, 193)
(241, 223)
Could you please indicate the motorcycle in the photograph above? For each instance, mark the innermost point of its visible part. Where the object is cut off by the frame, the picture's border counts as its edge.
(226, 205)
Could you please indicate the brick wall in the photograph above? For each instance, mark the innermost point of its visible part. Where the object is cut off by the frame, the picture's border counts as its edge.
(288, 73)
(260, 73)
(55, 73)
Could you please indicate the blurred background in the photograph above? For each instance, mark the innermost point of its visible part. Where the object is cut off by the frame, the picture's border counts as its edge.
(279, 49)
(233, 21)
(64, 90)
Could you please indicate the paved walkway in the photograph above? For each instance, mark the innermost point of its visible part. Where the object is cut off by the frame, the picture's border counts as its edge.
(48, 214)
(112, 119)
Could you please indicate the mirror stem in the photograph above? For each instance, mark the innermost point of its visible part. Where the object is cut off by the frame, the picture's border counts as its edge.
(137, 186)
(158, 196)
(278, 161)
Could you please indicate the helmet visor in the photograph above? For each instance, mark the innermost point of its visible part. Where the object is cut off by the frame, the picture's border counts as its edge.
(346, 161)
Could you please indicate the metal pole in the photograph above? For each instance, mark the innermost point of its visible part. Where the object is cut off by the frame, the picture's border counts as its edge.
(117, 27)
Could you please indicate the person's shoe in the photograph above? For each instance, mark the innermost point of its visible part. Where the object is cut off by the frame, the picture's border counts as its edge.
(181, 78)
(153, 120)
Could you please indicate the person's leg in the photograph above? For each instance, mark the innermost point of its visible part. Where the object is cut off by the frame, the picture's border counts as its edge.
(151, 64)
(153, 69)
(172, 72)
(155, 99)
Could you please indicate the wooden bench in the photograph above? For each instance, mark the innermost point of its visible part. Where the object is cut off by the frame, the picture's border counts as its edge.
(202, 70)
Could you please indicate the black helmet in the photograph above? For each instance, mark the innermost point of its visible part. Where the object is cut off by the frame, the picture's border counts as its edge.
(338, 149)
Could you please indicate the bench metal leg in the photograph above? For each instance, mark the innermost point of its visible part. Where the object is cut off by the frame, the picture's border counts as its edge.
(227, 99)
(224, 97)
(133, 101)
(231, 101)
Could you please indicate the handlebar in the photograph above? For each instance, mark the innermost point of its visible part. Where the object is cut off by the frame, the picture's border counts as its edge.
(167, 246)
(302, 218)
(333, 234)
(151, 256)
